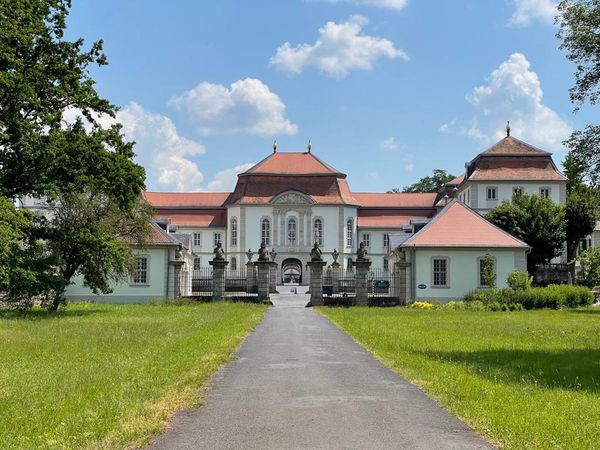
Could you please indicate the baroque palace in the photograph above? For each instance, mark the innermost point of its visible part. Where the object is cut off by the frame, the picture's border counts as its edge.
(290, 200)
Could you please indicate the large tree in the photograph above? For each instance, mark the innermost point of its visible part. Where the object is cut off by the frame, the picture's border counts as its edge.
(535, 220)
(579, 22)
(43, 76)
(431, 183)
(582, 209)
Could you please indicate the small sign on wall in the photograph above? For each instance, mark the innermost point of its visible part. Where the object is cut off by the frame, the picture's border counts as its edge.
(422, 286)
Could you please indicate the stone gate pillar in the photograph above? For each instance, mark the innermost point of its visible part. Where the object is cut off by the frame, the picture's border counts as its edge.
(218, 277)
(273, 278)
(335, 277)
(263, 279)
(316, 282)
(250, 277)
(362, 288)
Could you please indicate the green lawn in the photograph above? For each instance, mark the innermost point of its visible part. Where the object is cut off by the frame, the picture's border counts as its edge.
(525, 380)
(109, 376)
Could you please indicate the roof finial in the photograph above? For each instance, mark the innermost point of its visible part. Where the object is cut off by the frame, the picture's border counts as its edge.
(309, 146)
(507, 129)
(275, 146)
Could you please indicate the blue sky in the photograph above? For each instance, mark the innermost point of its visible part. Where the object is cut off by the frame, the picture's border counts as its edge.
(387, 90)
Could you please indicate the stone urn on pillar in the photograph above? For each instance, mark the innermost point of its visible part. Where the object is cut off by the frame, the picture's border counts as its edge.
(316, 265)
(218, 264)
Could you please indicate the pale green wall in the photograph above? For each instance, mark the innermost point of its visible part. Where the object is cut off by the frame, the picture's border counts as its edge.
(463, 270)
(126, 292)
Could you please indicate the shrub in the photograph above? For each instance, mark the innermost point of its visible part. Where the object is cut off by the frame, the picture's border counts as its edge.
(589, 273)
(455, 306)
(519, 280)
(553, 296)
(424, 305)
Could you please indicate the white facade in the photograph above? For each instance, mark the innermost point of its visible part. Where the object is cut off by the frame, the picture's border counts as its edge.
(485, 195)
(462, 270)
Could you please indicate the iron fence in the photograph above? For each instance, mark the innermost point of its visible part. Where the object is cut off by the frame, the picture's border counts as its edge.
(339, 283)
(201, 282)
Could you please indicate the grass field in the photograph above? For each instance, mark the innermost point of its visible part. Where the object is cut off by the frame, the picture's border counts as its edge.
(525, 380)
(109, 376)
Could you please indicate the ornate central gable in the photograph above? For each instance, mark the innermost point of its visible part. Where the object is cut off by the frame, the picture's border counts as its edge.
(292, 198)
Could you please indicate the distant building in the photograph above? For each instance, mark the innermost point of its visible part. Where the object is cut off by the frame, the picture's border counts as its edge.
(290, 200)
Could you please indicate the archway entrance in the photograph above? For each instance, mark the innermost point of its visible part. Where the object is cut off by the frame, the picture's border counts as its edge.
(291, 271)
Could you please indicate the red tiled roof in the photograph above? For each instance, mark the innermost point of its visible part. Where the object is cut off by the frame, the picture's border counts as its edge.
(255, 189)
(459, 179)
(195, 217)
(513, 146)
(522, 168)
(183, 199)
(157, 237)
(459, 226)
(292, 163)
(375, 200)
(386, 218)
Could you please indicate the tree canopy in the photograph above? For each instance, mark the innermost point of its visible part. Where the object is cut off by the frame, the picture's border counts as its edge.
(431, 183)
(537, 221)
(579, 22)
(76, 164)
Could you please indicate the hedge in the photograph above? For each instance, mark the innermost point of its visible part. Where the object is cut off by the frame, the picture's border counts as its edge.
(554, 296)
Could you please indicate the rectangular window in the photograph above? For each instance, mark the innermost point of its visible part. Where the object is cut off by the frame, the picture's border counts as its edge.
(492, 193)
(482, 280)
(440, 272)
(545, 192)
(197, 263)
(518, 190)
(349, 233)
(386, 265)
(140, 275)
(266, 231)
(217, 239)
(367, 239)
(197, 239)
(386, 240)
(468, 196)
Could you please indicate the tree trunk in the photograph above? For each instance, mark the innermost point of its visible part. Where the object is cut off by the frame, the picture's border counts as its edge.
(571, 255)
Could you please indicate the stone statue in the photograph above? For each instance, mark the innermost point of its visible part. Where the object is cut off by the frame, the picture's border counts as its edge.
(263, 254)
(179, 252)
(219, 253)
(361, 254)
(316, 254)
(335, 256)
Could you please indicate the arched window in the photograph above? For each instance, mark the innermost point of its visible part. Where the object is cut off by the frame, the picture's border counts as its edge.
(234, 263)
(234, 231)
(292, 231)
(349, 233)
(318, 231)
(265, 231)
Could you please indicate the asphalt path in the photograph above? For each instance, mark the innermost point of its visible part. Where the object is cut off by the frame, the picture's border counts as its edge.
(298, 382)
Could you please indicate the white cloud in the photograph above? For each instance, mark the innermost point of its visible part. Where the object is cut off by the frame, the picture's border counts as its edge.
(340, 48)
(246, 106)
(392, 145)
(389, 144)
(160, 149)
(513, 92)
(527, 11)
(388, 4)
(224, 180)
